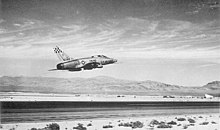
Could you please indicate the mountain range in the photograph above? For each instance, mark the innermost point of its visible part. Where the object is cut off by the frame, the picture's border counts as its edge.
(102, 85)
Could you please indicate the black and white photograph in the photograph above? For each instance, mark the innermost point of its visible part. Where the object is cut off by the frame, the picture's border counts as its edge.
(109, 64)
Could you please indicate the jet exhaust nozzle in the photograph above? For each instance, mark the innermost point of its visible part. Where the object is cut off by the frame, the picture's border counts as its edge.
(60, 66)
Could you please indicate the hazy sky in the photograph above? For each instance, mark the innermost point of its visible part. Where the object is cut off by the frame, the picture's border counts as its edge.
(171, 41)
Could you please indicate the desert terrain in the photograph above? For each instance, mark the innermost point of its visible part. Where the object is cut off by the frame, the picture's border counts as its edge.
(197, 114)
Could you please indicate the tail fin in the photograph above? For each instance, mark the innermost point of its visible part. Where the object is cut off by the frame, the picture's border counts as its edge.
(61, 55)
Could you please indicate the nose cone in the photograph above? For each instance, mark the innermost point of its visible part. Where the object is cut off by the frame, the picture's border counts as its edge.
(113, 61)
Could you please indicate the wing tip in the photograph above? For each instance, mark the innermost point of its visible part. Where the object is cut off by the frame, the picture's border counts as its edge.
(52, 69)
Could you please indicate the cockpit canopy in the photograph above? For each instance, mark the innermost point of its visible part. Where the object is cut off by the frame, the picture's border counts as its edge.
(100, 56)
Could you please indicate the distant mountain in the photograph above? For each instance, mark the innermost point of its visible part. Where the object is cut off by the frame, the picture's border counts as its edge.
(101, 85)
(215, 85)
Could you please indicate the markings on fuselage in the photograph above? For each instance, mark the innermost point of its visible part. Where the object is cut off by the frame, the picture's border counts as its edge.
(92, 60)
(104, 62)
(83, 62)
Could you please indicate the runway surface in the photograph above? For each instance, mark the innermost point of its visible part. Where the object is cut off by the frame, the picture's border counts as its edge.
(18, 112)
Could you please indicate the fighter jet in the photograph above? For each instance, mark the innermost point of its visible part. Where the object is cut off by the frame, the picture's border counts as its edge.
(87, 63)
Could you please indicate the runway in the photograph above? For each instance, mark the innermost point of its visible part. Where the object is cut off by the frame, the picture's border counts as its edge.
(19, 112)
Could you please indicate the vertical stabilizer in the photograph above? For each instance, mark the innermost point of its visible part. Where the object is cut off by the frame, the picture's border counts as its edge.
(61, 55)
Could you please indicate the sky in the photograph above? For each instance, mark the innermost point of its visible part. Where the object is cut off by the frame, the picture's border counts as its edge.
(170, 41)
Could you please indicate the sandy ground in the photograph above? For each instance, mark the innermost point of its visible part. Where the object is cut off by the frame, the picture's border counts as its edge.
(19, 96)
(97, 124)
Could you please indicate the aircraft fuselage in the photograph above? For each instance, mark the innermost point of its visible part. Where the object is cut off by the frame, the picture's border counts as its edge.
(85, 63)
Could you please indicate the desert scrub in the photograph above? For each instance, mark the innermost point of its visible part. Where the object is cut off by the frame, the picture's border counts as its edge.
(137, 124)
(204, 123)
(133, 125)
(154, 122)
(107, 126)
(80, 127)
(163, 125)
(213, 122)
(89, 124)
(53, 126)
(191, 120)
(172, 123)
(185, 126)
(125, 124)
(181, 119)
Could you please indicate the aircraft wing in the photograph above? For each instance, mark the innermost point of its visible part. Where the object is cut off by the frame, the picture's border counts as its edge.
(92, 65)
